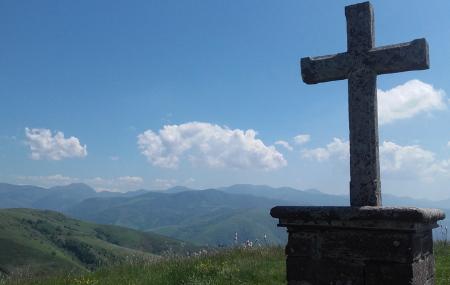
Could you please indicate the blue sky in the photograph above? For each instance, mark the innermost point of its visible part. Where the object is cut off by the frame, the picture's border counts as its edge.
(87, 88)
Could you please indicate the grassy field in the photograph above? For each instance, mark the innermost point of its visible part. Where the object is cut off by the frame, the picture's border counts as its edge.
(442, 258)
(36, 242)
(237, 266)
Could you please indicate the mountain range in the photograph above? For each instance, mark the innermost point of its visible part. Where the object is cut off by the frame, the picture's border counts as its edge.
(58, 198)
(210, 216)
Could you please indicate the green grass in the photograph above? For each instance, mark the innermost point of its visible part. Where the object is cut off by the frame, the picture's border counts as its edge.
(36, 242)
(442, 258)
(236, 266)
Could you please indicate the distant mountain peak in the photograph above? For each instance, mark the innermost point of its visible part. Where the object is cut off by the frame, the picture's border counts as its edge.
(177, 189)
(75, 187)
(312, 191)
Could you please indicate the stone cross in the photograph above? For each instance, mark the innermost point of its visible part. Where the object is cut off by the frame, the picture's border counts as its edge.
(360, 65)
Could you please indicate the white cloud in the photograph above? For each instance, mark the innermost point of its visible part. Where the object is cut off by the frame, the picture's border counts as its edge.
(131, 180)
(302, 139)
(114, 158)
(160, 183)
(411, 161)
(284, 144)
(114, 184)
(407, 100)
(44, 145)
(166, 183)
(47, 181)
(396, 161)
(396, 157)
(337, 148)
(208, 144)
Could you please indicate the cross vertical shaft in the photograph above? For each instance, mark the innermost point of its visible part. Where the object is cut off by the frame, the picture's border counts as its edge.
(362, 106)
(364, 161)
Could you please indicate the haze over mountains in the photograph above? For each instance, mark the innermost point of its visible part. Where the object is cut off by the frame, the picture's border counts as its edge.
(210, 216)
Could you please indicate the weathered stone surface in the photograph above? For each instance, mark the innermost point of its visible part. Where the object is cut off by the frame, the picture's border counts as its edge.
(303, 270)
(365, 188)
(359, 245)
(420, 272)
(422, 244)
(316, 214)
(361, 64)
(360, 27)
(320, 254)
(388, 273)
(400, 57)
(407, 56)
(352, 245)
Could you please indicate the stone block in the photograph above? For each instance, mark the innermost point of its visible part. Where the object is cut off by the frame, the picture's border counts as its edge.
(352, 246)
(324, 271)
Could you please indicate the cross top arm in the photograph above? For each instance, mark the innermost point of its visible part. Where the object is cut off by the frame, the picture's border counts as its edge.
(401, 57)
(386, 59)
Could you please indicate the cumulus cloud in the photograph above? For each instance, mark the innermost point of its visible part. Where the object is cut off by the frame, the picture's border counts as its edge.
(407, 100)
(396, 157)
(44, 145)
(302, 139)
(402, 162)
(210, 145)
(337, 148)
(284, 144)
(411, 161)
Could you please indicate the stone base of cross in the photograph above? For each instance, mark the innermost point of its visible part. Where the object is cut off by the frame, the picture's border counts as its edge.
(359, 245)
(364, 244)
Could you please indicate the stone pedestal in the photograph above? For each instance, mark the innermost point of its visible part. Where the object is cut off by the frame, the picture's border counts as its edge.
(359, 245)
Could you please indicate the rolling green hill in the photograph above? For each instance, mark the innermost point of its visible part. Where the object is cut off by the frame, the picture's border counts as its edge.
(205, 217)
(39, 242)
(219, 229)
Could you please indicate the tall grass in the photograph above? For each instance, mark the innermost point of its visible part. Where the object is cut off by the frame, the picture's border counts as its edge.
(235, 266)
(442, 259)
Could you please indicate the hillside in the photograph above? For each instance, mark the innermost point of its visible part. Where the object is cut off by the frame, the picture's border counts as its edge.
(289, 196)
(37, 242)
(219, 229)
(262, 266)
(204, 217)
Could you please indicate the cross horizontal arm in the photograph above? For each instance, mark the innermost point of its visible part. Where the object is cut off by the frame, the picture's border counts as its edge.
(325, 68)
(401, 57)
